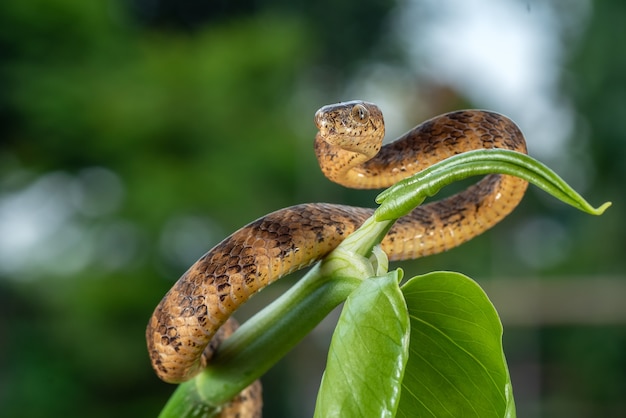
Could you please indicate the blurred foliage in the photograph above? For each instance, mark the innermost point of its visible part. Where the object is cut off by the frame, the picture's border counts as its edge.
(594, 78)
(193, 115)
(202, 112)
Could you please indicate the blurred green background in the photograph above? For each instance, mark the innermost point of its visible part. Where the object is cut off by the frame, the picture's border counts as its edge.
(135, 135)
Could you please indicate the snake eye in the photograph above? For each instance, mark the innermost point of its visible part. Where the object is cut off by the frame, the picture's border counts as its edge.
(360, 114)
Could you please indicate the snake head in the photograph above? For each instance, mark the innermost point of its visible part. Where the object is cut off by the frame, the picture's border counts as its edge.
(354, 126)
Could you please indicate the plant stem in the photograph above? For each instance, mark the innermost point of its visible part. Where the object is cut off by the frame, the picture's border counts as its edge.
(266, 337)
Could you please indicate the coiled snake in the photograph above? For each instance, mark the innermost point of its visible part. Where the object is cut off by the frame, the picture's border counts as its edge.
(350, 152)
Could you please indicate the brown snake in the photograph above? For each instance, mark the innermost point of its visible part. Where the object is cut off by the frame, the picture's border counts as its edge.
(350, 152)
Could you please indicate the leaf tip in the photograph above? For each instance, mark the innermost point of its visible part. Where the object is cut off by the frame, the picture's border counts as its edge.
(600, 210)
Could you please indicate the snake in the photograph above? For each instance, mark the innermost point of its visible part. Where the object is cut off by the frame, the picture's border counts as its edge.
(351, 152)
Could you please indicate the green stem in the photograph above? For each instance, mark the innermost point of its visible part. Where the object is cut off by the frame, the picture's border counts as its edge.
(187, 402)
(261, 341)
(265, 338)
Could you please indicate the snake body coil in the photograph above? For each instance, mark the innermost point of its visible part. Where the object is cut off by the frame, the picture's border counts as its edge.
(350, 152)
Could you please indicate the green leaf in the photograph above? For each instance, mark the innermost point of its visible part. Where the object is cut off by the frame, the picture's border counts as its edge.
(368, 353)
(456, 365)
(404, 196)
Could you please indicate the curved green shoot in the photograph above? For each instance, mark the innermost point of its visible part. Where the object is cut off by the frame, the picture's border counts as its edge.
(404, 196)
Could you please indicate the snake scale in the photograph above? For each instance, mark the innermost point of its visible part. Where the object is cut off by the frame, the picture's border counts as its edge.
(350, 151)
